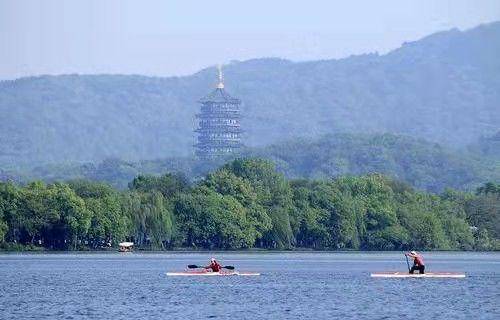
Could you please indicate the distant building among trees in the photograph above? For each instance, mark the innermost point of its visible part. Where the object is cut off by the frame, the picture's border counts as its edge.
(219, 132)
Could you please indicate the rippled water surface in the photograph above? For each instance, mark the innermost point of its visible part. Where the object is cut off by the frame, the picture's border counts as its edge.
(292, 286)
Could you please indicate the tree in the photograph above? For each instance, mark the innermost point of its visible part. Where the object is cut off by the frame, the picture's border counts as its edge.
(227, 183)
(74, 218)
(208, 219)
(273, 193)
(168, 185)
(483, 210)
(9, 212)
(37, 213)
(151, 218)
(109, 224)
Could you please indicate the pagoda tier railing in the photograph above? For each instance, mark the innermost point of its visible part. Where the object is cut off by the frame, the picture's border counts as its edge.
(219, 115)
(208, 145)
(220, 133)
(209, 140)
(220, 121)
(218, 144)
(231, 102)
(214, 109)
(220, 105)
(219, 130)
(218, 126)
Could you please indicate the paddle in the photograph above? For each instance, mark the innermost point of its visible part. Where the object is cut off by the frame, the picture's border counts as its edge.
(407, 263)
(194, 266)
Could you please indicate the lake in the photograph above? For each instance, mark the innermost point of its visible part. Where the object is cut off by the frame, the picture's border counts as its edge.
(298, 285)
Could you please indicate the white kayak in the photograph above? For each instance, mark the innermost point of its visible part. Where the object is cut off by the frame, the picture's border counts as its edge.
(417, 275)
(210, 273)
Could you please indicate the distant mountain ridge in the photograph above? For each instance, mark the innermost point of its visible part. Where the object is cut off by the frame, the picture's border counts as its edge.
(443, 88)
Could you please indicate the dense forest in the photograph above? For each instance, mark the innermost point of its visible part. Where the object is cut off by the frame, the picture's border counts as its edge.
(443, 88)
(246, 203)
(422, 164)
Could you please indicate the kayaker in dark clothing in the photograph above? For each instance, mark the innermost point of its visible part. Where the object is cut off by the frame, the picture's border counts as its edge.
(214, 265)
(418, 262)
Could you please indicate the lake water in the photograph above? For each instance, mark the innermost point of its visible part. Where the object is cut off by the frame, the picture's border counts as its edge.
(292, 286)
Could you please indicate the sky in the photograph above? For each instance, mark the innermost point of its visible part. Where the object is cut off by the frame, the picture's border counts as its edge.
(168, 38)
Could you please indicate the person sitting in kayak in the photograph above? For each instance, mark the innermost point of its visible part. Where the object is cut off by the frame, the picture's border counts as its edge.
(418, 262)
(214, 265)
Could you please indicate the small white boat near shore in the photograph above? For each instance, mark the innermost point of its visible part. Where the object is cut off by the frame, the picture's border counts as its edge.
(125, 246)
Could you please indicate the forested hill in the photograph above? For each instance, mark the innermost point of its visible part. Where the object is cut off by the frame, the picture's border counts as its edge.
(423, 165)
(443, 88)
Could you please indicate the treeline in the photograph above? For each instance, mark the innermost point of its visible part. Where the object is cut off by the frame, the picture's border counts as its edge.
(422, 164)
(248, 204)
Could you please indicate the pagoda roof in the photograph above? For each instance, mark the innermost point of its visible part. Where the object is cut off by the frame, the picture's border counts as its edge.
(219, 95)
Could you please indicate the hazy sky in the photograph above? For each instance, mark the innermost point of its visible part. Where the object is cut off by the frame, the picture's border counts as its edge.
(181, 37)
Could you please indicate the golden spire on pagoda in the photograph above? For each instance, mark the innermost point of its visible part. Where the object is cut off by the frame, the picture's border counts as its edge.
(221, 79)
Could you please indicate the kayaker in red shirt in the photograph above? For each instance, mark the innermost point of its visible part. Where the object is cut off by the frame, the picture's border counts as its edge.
(214, 265)
(418, 262)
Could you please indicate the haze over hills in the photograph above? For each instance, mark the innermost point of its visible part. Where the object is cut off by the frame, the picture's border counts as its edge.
(487, 146)
(423, 165)
(444, 88)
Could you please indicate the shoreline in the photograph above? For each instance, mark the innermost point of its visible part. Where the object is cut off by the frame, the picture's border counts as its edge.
(249, 251)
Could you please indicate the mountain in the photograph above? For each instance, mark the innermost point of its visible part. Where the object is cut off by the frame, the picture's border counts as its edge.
(443, 88)
(424, 165)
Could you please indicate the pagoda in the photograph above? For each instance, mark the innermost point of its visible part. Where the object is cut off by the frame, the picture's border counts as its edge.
(219, 132)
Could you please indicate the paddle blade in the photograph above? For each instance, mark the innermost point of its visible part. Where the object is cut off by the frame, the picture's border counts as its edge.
(193, 266)
(229, 267)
